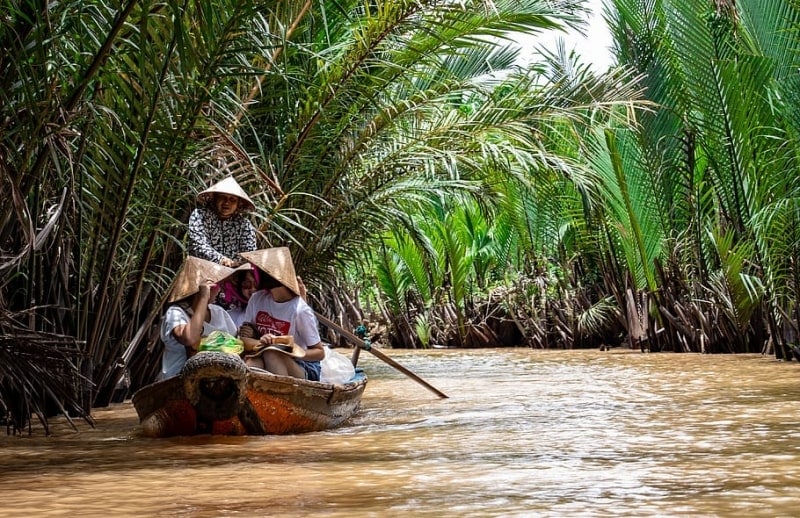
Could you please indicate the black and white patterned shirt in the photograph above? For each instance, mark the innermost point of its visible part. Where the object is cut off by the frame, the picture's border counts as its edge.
(213, 238)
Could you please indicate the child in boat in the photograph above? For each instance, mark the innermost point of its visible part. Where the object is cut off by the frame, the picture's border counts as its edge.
(219, 229)
(236, 293)
(278, 310)
(191, 315)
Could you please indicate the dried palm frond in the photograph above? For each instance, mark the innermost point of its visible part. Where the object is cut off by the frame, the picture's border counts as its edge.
(39, 375)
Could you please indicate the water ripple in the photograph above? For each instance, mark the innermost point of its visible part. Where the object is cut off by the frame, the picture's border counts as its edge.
(523, 433)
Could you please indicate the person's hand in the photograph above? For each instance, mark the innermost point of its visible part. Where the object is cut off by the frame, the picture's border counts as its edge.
(267, 339)
(208, 290)
(214, 289)
(248, 330)
(302, 287)
(230, 263)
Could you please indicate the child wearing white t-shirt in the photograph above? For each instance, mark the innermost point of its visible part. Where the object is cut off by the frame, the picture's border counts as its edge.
(277, 310)
(191, 315)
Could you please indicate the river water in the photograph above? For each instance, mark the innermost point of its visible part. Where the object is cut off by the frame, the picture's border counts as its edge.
(524, 433)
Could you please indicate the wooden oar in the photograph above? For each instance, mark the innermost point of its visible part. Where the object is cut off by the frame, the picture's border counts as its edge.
(367, 346)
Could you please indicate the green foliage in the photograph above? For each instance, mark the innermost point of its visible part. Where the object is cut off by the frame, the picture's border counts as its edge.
(396, 138)
(630, 203)
(720, 142)
(738, 293)
(111, 124)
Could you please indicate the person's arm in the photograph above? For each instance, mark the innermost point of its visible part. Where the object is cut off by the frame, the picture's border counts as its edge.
(307, 327)
(250, 344)
(315, 353)
(199, 243)
(302, 287)
(190, 334)
(248, 334)
(249, 236)
(246, 240)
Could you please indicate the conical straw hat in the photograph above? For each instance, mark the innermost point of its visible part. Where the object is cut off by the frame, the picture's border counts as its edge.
(193, 272)
(283, 344)
(227, 186)
(277, 263)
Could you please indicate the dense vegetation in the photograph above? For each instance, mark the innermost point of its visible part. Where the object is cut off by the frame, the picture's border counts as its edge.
(424, 182)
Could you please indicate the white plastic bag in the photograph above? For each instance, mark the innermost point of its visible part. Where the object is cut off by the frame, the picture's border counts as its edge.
(336, 367)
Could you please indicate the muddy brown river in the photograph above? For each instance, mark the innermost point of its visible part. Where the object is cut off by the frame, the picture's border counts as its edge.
(524, 433)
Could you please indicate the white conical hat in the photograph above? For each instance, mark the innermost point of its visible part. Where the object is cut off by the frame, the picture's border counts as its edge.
(277, 263)
(227, 186)
(194, 272)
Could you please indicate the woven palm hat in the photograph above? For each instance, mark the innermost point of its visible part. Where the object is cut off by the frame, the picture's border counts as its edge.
(227, 186)
(277, 263)
(194, 272)
(283, 344)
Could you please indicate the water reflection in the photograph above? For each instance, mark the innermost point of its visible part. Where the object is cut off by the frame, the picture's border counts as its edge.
(524, 433)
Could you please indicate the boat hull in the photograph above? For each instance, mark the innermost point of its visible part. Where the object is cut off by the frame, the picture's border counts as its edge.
(217, 394)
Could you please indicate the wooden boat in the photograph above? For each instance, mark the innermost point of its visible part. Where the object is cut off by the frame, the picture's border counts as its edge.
(216, 393)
